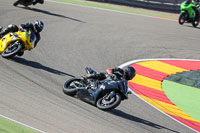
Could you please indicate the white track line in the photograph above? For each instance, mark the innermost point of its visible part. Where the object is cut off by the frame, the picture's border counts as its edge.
(140, 60)
(111, 10)
(22, 124)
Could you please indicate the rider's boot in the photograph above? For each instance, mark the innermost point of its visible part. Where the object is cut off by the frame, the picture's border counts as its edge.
(1, 27)
(34, 2)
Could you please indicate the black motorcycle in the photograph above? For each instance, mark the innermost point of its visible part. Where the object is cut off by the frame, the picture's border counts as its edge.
(27, 3)
(105, 94)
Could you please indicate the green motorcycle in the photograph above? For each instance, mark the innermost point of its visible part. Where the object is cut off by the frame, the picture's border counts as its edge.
(188, 14)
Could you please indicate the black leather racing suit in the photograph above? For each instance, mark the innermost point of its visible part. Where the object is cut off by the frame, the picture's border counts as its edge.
(113, 76)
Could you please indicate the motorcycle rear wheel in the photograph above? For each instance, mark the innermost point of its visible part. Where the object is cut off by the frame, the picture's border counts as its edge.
(12, 50)
(182, 18)
(106, 105)
(16, 3)
(71, 86)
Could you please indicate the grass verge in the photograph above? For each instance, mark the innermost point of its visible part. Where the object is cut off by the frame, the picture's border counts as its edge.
(114, 8)
(185, 97)
(7, 126)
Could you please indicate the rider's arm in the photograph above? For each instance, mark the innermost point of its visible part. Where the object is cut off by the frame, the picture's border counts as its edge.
(99, 76)
(38, 39)
(188, 2)
(26, 26)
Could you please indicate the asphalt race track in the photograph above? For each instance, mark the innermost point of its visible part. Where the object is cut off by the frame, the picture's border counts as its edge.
(75, 37)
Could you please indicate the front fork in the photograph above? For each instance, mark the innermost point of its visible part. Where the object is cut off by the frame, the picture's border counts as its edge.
(110, 95)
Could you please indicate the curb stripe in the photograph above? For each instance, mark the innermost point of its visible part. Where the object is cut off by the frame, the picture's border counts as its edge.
(147, 72)
(148, 82)
(168, 108)
(194, 125)
(162, 67)
(151, 93)
(190, 65)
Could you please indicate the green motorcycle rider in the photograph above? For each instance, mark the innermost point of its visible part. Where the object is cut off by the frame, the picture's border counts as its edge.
(190, 12)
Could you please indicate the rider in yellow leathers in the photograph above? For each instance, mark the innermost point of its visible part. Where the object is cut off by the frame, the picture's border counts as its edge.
(37, 27)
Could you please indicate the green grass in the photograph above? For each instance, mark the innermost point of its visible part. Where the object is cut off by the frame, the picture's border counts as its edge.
(7, 126)
(185, 97)
(89, 4)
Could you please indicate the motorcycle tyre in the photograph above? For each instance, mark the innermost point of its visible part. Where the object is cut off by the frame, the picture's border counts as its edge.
(66, 90)
(12, 54)
(16, 3)
(109, 107)
(195, 23)
(41, 2)
(20, 53)
(182, 16)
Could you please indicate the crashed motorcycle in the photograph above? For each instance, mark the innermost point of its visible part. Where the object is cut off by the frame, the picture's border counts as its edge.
(188, 14)
(27, 3)
(104, 94)
(15, 43)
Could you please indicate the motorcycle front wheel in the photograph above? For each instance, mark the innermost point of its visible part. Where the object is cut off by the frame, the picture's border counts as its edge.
(182, 18)
(108, 104)
(12, 50)
(71, 86)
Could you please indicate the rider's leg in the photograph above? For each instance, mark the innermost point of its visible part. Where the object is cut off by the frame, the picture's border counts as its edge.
(11, 28)
(4, 32)
(196, 12)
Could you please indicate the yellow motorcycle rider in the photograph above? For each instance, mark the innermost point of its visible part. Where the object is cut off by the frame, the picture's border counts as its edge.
(35, 28)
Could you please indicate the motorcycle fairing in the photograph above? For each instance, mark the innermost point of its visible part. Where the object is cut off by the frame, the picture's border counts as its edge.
(92, 95)
(6, 40)
(104, 88)
(188, 9)
(123, 87)
(25, 37)
(86, 95)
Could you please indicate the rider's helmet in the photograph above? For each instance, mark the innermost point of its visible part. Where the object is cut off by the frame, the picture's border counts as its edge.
(39, 25)
(129, 73)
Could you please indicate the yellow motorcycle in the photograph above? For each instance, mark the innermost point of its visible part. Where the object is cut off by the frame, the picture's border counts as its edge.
(15, 43)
